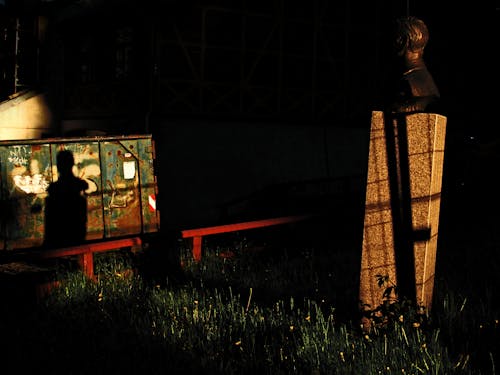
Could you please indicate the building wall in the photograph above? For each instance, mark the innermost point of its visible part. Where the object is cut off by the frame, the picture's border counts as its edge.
(203, 166)
(26, 116)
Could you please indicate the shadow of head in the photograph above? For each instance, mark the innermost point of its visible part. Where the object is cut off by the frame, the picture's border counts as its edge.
(65, 162)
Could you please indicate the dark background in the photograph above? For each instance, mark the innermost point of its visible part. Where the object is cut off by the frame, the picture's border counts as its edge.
(215, 79)
(338, 52)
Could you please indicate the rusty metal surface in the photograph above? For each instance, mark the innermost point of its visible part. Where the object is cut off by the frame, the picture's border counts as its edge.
(120, 198)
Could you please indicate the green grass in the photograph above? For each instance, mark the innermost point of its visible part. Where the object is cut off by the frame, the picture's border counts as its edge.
(255, 312)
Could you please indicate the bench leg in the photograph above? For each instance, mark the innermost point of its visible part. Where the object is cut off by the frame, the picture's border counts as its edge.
(43, 289)
(86, 261)
(196, 246)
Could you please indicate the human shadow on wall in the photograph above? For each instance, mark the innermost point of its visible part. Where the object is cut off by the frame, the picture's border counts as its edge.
(65, 206)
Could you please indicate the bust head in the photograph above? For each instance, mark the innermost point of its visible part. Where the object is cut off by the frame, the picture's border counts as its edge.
(411, 35)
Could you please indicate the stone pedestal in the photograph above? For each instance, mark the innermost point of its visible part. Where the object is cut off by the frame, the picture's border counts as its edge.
(403, 195)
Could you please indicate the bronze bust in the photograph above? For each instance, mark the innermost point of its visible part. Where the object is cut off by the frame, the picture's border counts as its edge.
(415, 89)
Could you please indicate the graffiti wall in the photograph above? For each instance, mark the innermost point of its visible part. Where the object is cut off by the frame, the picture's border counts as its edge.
(119, 174)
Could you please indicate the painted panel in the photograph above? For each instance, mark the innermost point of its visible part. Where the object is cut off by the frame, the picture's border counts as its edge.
(121, 195)
(149, 191)
(87, 167)
(26, 175)
(121, 198)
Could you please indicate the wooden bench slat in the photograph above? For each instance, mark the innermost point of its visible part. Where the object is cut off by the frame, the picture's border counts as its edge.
(89, 248)
(241, 226)
(197, 234)
(84, 252)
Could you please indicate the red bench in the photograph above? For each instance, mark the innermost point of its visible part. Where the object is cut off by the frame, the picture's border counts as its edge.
(83, 252)
(196, 235)
(20, 260)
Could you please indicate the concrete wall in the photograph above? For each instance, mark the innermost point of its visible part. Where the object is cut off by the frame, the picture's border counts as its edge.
(26, 116)
(202, 165)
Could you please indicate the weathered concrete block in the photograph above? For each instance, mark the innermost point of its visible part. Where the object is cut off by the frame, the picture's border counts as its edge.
(27, 116)
(405, 163)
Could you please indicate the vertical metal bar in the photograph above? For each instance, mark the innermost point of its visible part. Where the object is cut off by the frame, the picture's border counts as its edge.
(152, 74)
(316, 26)
(203, 50)
(281, 30)
(101, 189)
(347, 57)
(155, 180)
(16, 54)
(139, 177)
(242, 62)
(4, 199)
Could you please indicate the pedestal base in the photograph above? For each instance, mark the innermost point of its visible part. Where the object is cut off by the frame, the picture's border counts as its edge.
(403, 195)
